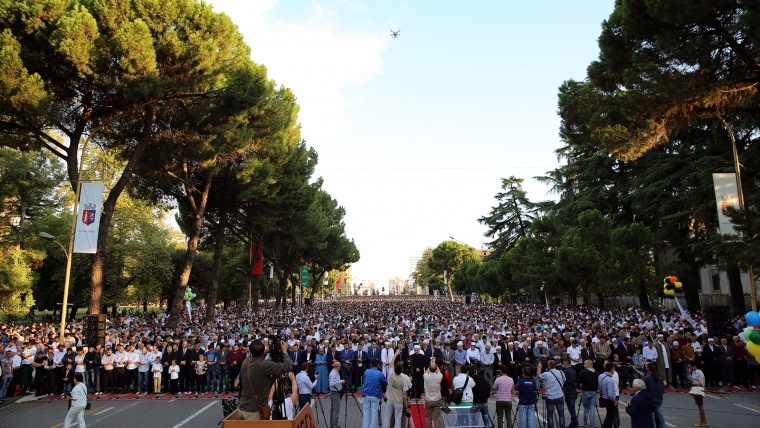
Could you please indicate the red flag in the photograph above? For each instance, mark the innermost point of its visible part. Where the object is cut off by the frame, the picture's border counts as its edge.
(258, 259)
(337, 283)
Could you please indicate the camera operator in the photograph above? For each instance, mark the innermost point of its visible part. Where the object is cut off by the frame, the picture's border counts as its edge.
(554, 381)
(608, 398)
(398, 385)
(305, 385)
(433, 379)
(255, 377)
(372, 390)
(276, 398)
(527, 389)
(336, 389)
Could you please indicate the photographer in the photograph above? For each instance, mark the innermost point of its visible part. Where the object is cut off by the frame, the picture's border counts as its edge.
(276, 398)
(372, 391)
(398, 385)
(526, 394)
(336, 388)
(255, 377)
(554, 381)
(480, 394)
(433, 379)
(305, 385)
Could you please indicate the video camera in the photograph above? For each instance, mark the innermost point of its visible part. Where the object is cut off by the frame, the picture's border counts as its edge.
(275, 352)
(348, 366)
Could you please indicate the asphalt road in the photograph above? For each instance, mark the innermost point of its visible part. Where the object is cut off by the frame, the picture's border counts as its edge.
(730, 410)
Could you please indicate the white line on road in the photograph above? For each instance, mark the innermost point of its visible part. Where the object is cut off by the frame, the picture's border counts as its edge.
(195, 414)
(747, 408)
(713, 397)
(103, 411)
(670, 425)
(172, 400)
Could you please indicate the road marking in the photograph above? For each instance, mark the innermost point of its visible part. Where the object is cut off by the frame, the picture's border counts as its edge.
(713, 397)
(670, 425)
(27, 398)
(89, 412)
(189, 418)
(103, 411)
(754, 405)
(173, 400)
(747, 408)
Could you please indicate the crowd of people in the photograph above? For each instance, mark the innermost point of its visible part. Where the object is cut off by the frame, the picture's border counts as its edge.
(484, 349)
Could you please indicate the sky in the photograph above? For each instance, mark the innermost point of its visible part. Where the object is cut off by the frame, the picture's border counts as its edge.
(415, 133)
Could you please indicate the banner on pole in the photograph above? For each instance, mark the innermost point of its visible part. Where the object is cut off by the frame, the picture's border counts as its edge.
(726, 195)
(88, 219)
(257, 255)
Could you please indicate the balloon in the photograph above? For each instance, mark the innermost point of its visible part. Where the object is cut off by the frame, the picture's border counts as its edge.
(753, 318)
(754, 349)
(667, 280)
(673, 279)
(754, 337)
(678, 285)
(741, 336)
(747, 331)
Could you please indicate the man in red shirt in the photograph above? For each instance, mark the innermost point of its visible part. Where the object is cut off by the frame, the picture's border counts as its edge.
(741, 368)
(234, 360)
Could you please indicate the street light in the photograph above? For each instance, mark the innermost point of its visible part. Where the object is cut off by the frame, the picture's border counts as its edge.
(65, 306)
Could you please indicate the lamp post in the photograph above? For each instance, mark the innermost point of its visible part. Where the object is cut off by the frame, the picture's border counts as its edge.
(66, 280)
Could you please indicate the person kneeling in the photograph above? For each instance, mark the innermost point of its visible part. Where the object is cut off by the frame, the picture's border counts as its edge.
(282, 407)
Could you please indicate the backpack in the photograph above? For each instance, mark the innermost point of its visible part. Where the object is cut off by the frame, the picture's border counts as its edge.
(457, 394)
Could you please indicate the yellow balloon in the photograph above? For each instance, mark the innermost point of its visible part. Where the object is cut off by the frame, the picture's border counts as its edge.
(678, 285)
(754, 349)
(669, 292)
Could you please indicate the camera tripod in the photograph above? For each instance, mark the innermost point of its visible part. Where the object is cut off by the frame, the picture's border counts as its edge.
(596, 407)
(345, 406)
(315, 398)
(515, 422)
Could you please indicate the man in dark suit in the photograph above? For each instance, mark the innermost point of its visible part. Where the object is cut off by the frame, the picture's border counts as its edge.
(625, 353)
(509, 359)
(374, 352)
(297, 358)
(437, 350)
(641, 406)
(587, 353)
(189, 357)
(362, 364)
(427, 351)
(524, 355)
(347, 355)
(726, 362)
(712, 367)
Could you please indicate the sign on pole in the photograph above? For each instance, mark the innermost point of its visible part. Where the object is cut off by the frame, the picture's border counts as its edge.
(726, 195)
(304, 277)
(90, 202)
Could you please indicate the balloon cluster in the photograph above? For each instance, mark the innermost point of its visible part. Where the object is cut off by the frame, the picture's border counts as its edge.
(752, 334)
(672, 286)
(189, 295)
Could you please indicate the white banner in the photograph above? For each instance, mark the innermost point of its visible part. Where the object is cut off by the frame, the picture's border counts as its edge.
(726, 195)
(88, 219)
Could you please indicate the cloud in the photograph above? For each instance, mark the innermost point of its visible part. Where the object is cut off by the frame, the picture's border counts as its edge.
(311, 56)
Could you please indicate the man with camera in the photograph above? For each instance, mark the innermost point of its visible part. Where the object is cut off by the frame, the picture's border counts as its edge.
(433, 379)
(256, 378)
(373, 389)
(554, 381)
(336, 388)
(396, 393)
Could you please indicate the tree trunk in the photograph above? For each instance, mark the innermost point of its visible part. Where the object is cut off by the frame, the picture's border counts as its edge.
(256, 285)
(217, 266)
(199, 210)
(241, 301)
(600, 300)
(641, 291)
(98, 266)
(737, 291)
(21, 222)
(691, 286)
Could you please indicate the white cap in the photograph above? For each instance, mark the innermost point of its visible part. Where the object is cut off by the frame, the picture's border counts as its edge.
(675, 343)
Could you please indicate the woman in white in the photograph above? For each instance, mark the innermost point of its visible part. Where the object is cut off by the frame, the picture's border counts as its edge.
(288, 402)
(79, 401)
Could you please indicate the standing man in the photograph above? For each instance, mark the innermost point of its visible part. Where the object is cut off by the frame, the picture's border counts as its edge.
(235, 359)
(712, 367)
(398, 385)
(362, 365)
(641, 406)
(554, 381)
(487, 360)
(256, 378)
(608, 398)
(305, 385)
(503, 386)
(372, 391)
(664, 359)
(336, 387)
(571, 393)
(386, 356)
(120, 363)
(526, 394)
(348, 358)
(418, 372)
(78, 399)
(588, 380)
(432, 380)
(725, 362)
(448, 358)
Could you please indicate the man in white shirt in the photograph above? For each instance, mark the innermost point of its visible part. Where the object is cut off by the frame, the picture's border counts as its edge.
(462, 380)
(574, 353)
(78, 399)
(120, 375)
(487, 364)
(386, 357)
(133, 358)
(473, 354)
(144, 360)
(649, 352)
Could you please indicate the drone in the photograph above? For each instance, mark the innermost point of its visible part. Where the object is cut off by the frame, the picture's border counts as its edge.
(395, 34)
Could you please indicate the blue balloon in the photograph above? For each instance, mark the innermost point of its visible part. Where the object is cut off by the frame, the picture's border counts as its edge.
(753, 318)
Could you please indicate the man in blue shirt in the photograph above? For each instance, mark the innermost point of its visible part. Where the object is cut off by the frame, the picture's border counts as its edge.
(608, 398)
(554, 381)
(372, 391)
(571, 393)
(526, 393)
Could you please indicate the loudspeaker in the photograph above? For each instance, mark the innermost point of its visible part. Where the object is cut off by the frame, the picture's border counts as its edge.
(718, 320)
(307, 300)
(467, 300)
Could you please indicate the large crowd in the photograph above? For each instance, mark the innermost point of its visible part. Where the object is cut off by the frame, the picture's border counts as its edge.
(140, 354)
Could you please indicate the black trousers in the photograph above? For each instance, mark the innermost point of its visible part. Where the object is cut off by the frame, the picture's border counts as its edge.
(120, 379)
(131, 379)
(609, 418)
(107, 381)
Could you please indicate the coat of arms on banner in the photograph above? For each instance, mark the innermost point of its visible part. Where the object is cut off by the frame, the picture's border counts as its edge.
(88, 214)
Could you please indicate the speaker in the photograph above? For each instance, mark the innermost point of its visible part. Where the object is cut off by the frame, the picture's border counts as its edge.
(467, 299)
(307, 300)
(718, 319)
(94, 329)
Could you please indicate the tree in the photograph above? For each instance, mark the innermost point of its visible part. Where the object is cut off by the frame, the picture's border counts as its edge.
(16, 278)
(665, 63)
(509, 220)
(110, 72)
(449, 256)
(631, 267)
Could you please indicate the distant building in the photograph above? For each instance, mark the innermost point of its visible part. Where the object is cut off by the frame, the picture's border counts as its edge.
(344, 285)
(396, 286)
